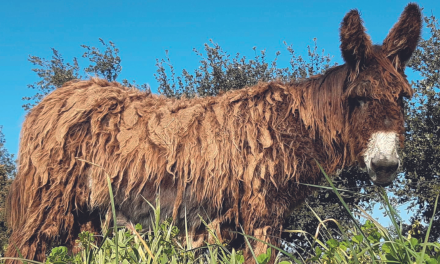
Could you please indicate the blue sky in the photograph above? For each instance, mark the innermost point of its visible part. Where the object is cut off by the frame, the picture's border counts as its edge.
(143, 30)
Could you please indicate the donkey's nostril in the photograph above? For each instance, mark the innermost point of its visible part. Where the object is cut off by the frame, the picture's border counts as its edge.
(385, 166)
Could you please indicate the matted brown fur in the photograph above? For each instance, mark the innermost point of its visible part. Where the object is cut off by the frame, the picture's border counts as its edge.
(236, 158)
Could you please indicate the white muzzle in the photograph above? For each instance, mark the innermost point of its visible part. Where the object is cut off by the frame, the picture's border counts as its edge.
(381, 157)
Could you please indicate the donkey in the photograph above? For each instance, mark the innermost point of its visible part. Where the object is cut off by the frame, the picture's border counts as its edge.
(236, 159)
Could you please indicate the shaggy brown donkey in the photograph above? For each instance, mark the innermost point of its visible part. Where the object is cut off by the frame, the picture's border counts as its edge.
(235, 158)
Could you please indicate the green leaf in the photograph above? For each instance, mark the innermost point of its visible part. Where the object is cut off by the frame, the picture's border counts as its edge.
(431, 261)
(264, 258)
(343, 246)
(358, 239)
(333, 243)
(239, 258)
(414, 242)
(391, 257)
(386, 248)
(163, 259)
(318, 251)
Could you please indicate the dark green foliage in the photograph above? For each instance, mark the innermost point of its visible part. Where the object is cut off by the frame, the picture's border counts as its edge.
(107, 64)
(422, 151)
(7, 172)
(133, 84)
(6, 159)
(5, 182)
(55, 72)
(219, 72)
(52, 74)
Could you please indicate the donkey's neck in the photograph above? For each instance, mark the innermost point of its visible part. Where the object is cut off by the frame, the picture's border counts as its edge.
(320, 106)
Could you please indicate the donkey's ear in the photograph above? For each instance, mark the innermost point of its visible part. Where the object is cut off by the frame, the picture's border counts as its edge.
(404, 36)
(356, 46)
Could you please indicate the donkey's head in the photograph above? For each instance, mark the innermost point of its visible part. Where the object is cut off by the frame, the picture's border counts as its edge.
(374, 91)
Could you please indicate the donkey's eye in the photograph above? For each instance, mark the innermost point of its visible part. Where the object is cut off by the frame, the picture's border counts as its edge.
(361, 102)
(358, 102)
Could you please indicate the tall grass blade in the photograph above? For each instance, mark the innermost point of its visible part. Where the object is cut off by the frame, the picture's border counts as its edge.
(373, 257)
(391, 213)
(132, 229)
(249, 245)
(188, 244)
(330, 188)
(428, 231)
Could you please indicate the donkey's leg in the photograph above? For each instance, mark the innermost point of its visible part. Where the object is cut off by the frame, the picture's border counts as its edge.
(22, 248)
(267, 235)
(42, 227)
(31, 239)
(84, 221)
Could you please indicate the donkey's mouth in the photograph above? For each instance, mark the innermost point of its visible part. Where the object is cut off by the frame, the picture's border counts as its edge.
(382, 178)
(384, 171)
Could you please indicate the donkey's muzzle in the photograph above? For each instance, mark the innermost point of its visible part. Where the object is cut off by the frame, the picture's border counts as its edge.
(384, 169)
(381, 157)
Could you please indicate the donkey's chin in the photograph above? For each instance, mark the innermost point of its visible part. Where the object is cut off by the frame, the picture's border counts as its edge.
(382, 178)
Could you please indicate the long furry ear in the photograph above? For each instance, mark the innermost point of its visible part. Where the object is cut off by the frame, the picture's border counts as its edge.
(356, 46)
(402, 40)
